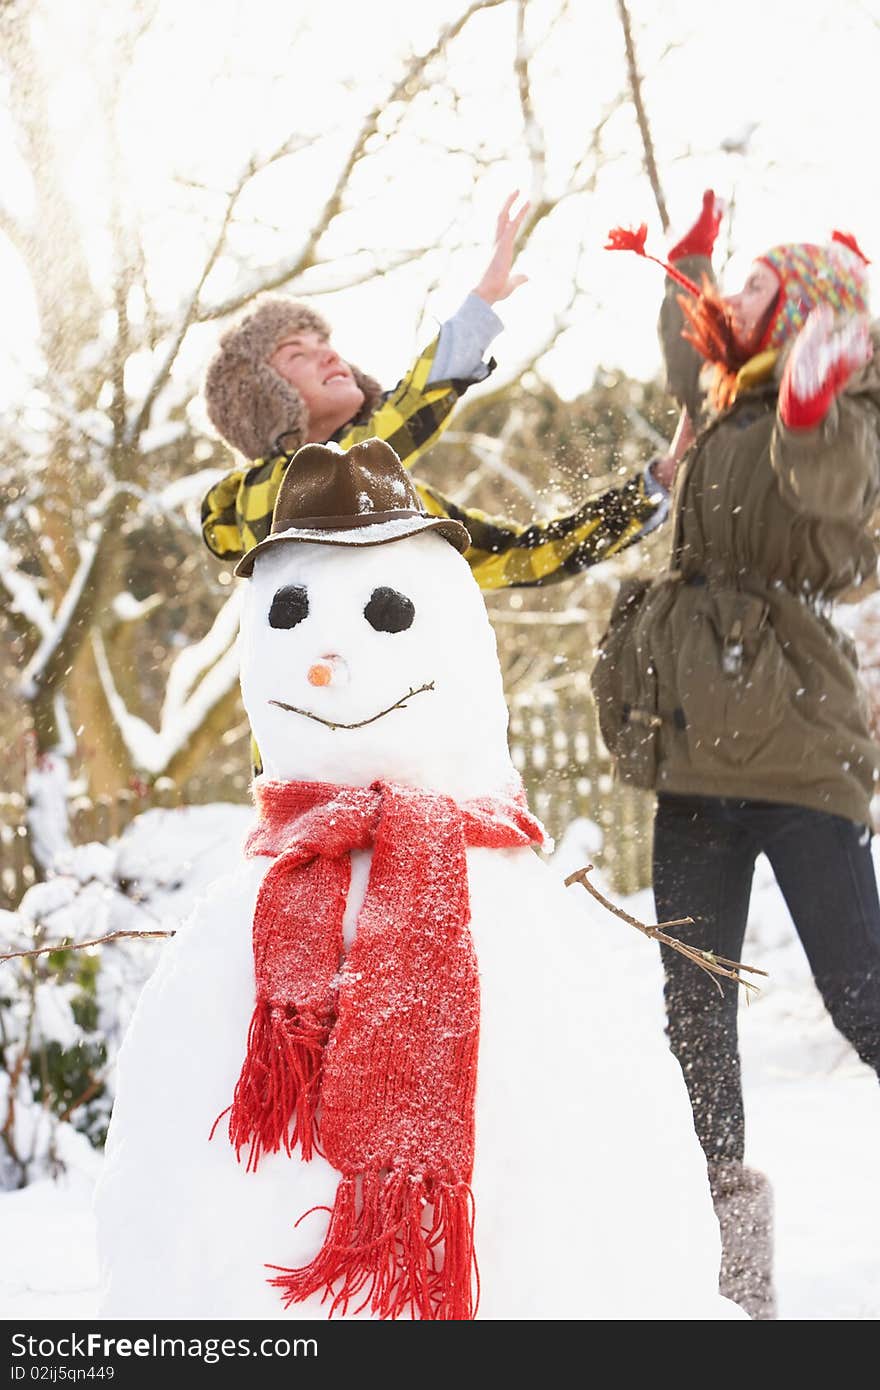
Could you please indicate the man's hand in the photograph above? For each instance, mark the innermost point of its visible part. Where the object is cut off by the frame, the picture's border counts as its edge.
(497, 281)
(665, 468)
(823, 359)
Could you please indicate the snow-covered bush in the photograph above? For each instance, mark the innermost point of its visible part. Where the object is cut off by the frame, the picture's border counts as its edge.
(64, 1012)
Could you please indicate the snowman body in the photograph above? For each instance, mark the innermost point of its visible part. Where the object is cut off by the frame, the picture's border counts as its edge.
(591, 1200)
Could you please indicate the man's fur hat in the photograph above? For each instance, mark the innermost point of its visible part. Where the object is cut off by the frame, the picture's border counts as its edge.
(254, 409)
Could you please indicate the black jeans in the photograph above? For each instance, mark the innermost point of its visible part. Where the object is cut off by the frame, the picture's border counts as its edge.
(705, 849)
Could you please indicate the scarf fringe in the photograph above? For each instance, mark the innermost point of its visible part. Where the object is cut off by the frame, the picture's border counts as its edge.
(279, 1082)
(383, 1249)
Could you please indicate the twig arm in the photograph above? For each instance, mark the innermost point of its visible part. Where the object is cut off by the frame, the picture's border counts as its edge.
(707, 961)
(65, 945)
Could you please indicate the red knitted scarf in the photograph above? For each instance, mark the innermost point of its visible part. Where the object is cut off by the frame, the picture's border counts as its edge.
(371, 1057)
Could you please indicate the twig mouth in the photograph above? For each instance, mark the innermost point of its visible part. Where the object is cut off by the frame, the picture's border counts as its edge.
(359, 723)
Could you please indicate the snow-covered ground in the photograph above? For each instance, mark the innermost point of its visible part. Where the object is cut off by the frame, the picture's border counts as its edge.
(813, 1110)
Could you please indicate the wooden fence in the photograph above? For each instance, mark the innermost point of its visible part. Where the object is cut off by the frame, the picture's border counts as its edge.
(558, 750)
(555, 745)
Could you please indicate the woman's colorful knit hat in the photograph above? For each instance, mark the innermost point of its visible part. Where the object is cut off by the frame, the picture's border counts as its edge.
(809, 275)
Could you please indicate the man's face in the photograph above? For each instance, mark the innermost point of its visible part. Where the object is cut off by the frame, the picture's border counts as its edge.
(750, 308)
(326, 383)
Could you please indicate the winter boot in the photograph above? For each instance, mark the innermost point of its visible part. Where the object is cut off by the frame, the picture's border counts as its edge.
(743, 1201)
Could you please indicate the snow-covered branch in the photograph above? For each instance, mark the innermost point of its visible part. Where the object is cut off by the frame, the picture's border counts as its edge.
(182, 494)
(185, 495)
(306, 256)
(189, 314)
(23, 592)
(192, 663)
(36, 669)
(187, 704)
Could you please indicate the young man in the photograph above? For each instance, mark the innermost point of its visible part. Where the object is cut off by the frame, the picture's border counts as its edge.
(276, 382)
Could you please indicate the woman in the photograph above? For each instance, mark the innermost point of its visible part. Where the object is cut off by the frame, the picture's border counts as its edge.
(724, 685)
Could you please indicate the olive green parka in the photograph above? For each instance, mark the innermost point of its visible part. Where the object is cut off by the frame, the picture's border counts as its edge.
(726, 676)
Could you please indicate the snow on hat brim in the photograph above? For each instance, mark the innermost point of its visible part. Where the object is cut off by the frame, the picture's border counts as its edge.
(349, 497)
(379, 530)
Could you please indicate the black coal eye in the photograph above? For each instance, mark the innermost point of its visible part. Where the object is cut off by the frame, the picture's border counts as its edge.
(389, 611)
(289, 606)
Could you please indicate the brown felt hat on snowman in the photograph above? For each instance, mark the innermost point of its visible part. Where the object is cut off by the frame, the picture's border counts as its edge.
(357, 496)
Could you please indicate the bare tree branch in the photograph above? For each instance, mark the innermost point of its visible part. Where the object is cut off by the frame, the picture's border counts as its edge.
(187, 318)
(534, 135)
(306, 256)
(384, 263)
(635, 83)
(141, 278)
(873, 18)
(594, 151)
(636, 418)
(583, 179)
(191, 312)
(561, 322)
(294, 144)
(563, 617)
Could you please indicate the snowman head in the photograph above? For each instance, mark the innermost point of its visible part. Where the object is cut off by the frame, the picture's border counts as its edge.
(366, 651)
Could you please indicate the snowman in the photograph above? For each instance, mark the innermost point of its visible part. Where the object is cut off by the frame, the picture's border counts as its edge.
(390, 1066)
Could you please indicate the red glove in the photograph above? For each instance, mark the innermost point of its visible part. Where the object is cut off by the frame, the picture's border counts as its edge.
(820, 364)
(700, 240)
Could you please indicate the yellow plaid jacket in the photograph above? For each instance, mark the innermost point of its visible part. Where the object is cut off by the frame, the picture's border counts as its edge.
(237, 512)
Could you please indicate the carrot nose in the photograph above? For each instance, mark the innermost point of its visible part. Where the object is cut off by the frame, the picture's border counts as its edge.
(329, 669)
(320, 674)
